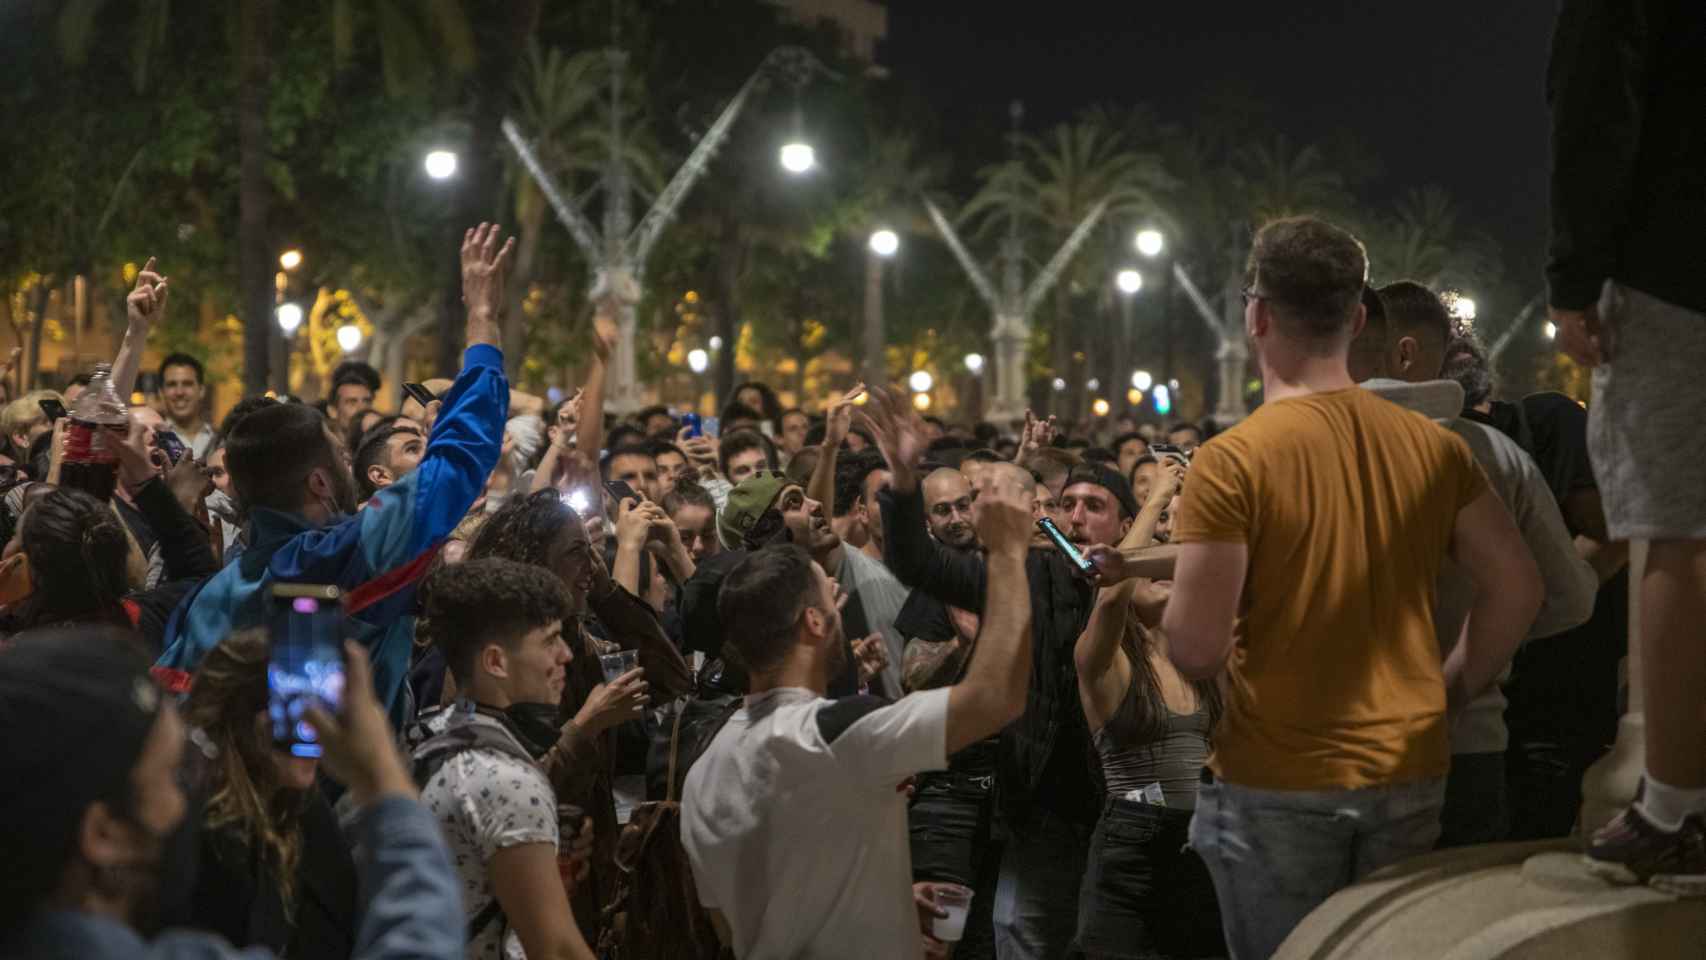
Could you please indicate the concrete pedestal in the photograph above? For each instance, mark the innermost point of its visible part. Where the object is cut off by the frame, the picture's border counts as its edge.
(1510, 901)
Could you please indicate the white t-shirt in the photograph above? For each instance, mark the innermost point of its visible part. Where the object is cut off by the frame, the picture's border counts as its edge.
(486, 801)
(795, 830)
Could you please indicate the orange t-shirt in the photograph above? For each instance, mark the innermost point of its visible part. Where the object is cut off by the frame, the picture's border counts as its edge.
(1346, 502)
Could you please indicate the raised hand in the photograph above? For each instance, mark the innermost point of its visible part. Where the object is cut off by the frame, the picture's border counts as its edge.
(1002, 512)
(483, 267)
(1171, 479)
(897, 429)
(1037, 434)
(146, 302)
(604, 329)
(838, 417)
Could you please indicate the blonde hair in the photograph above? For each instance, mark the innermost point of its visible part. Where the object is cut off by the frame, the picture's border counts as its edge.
(25, 412)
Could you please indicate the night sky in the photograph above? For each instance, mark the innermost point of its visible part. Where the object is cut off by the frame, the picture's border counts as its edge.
(1448, 92)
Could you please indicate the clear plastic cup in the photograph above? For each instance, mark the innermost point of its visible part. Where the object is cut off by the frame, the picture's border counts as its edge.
(616, 664)
(956, 900)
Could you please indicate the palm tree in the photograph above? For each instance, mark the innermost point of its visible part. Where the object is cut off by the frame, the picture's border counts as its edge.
(413, 47)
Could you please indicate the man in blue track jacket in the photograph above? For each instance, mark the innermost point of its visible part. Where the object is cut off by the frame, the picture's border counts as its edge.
(293, 474)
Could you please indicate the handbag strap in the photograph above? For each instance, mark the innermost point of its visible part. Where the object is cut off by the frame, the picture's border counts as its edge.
(674, 743)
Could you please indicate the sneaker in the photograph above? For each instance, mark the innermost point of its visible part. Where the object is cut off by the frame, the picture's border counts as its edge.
(1631, 850)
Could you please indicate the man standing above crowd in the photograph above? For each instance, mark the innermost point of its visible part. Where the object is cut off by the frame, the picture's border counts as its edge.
(1330, 759)
(293, 474)
(1625, 290)
(791, 818)
(182, 392)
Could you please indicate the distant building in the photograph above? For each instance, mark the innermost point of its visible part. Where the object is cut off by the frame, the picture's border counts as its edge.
(863, 23)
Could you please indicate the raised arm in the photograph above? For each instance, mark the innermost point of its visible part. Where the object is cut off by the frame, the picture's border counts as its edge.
(145, 305)
(992, 695)
(1103, 673)
(837, 420)
(589, 435)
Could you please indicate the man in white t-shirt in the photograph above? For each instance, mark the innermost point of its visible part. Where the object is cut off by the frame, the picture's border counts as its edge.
(791, 818)
(500, 624)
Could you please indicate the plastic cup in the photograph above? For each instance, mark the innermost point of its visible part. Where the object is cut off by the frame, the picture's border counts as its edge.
(616, 664)
(956, 900)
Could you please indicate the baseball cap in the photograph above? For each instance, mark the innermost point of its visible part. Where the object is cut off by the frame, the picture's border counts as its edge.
(746, 503)
(1102, 476)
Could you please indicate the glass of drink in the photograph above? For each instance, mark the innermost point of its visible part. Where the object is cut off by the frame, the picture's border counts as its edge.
(616, 664)
(956, 900)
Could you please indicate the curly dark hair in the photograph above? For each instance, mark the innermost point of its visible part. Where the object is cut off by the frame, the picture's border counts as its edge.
(525, 529)
(78, 552)
(489, 600)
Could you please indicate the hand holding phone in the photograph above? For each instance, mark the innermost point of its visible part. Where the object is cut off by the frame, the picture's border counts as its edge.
(419, 393)
(1066, 546)
(619, 491)
(306, 669)
(53, 409)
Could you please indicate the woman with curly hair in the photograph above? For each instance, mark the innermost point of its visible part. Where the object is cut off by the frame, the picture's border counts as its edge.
(274, 869)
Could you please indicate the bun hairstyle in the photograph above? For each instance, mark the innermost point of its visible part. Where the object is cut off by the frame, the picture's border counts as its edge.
(79, 552)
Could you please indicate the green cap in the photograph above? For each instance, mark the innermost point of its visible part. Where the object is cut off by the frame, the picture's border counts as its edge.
(747, 502)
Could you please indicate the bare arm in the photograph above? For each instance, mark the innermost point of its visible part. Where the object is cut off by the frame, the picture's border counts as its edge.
(528, 887)
(1103, 672)
(837, 419)
(589, 435)
(1208, 581)
(145, 304)
(1486, 544)
(993, 693)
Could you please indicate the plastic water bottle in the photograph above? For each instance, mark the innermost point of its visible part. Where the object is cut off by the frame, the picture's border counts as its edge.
(99, 423)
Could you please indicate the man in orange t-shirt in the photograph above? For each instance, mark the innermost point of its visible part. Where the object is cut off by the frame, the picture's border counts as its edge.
(1311, 537)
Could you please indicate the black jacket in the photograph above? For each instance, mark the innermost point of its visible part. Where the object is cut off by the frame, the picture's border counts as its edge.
(1627, 88)
(1045, 755)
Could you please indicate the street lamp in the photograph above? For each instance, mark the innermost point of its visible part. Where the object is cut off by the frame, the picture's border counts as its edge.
(974, 363)
(349, 337)
(289, 317)
(1149, 242)
(715, 343)
(440, 164)
(920, 381)
(885, 242)
(698, 360)
(290, 259)
(1550, 329)
(1094, 385)
(921, 401)
(1462, 308)
(1059, 385)
(1129, 281)
(1134, 397)
(798, 157)
(1100, 407)
(1141, 380)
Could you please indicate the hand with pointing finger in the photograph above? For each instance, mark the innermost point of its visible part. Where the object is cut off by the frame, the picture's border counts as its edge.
(147, 300)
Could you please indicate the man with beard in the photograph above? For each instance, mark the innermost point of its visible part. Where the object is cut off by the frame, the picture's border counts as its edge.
(789, 761)
(99, 840)
(500, 626)
(293, 474)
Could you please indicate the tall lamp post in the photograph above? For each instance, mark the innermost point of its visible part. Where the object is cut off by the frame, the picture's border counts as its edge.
(617, 249)
(882, 246)
(1150, 243)
(1129, 282)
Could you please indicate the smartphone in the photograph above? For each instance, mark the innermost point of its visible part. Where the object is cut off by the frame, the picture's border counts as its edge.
(712, 427)
(620, 491)
(1066, 546)
(689, 420)
(171, 445)
(1159, 450)
(421, 394)
(306, 667)
(53, 408)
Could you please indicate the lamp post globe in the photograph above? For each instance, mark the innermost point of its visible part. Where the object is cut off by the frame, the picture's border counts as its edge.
(289, 317)
(440, 164)
(1141, 380)
(797, 157)
(885, 242)
(1129, 281)
(974, 363)
(920, 381)
(349, 337)
(1149, 242)
(698, 360)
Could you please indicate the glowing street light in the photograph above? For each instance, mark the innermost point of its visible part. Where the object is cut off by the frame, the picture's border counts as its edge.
(440, 164)
(1134, 397)
(290, 259)
(715, 343)
(974, 363)
(1129, 281)
(1462, 308)
(1093, 385)
(289, 317)
(798, 157)
(1149, 242)
(921, 401)
(698, 360)
(1059, 385)
(920, 381)
(1100, 407)
(885, 242)
(1141, 380)
(1163, 400)
(1551, 330)
(349, 337)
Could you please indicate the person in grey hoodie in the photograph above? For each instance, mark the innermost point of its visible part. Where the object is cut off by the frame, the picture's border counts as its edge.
(1416, 329)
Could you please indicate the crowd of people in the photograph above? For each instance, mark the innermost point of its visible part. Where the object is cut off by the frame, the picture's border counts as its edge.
(849, 682)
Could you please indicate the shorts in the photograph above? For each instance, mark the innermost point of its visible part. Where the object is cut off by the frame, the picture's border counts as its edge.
(1647, 422)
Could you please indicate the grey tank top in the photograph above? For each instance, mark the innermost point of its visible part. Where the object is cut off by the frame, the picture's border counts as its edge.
(1174, 759)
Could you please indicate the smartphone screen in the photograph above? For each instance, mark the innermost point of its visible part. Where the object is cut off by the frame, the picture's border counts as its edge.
(53, 409)
(170, 444)
(620, 490)
(306, 668)
(1065, 546)
(420, 393)
(712, 426)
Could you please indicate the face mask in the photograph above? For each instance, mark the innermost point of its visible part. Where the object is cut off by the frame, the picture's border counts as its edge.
(16, 582)
(535, 725)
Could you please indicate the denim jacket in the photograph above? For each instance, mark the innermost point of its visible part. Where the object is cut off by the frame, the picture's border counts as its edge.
(412, 905)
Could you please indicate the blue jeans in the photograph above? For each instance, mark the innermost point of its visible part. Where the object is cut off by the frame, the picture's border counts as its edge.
(1275, 855)
(1036, 899)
